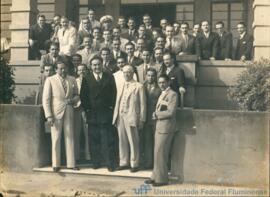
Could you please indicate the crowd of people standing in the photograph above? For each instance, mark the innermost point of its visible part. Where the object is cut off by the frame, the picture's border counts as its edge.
(119, 86)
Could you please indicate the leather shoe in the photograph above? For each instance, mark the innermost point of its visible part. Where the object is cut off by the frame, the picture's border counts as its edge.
(110, 169)
(96, 166)
(135, 169)
(74, 168)
(149, 181)
(159, 184)
(122, 168)
(56, 169)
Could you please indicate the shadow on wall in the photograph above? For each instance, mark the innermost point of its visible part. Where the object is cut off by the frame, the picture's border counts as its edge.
(179, 143)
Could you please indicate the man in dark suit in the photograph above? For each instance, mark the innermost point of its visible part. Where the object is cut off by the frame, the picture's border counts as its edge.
(147, 22)
(152, 92)
(116, 50)
(187, 46)
(175, 73)
(207, 45)
(85, 31)
(51, 58)
(142, 34)
(122, 24)
(131, 33)
(244, 45)
(225, 42)
(131, 59)
(39, 37)
(98, 94)
(108, 64)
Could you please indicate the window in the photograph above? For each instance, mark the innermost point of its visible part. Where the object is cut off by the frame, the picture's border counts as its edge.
(231, 13)
(185, 12)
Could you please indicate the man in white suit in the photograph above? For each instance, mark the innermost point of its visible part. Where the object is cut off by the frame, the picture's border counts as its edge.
(59, 95)
(165, 116)
(67, 37)
(129, 117)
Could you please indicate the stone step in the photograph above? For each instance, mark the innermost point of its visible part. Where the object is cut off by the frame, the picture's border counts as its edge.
(85, 169)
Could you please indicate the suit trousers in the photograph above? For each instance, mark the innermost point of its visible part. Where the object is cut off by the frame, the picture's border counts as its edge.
(101, 143)
(65, 124)
(128, 143)
(163, 142)
(147, 145)
(79, 126)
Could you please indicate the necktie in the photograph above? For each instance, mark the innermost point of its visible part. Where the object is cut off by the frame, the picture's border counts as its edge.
(186, 40)
(98, 78)
(63, 81)
(64, 32)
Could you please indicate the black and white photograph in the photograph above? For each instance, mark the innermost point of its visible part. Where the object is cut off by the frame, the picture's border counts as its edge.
(134, 98)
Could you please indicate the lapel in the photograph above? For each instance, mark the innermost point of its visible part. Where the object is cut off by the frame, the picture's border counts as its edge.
(160, 99)
(61, 86)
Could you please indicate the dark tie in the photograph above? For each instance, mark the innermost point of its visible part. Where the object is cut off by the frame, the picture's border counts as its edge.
(98, 78)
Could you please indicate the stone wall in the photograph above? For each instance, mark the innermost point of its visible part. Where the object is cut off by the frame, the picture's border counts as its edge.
(215, 147)
(23, 142)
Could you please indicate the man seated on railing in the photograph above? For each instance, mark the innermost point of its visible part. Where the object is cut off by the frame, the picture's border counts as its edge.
(207, 45)
(244, 43)
(39, 38)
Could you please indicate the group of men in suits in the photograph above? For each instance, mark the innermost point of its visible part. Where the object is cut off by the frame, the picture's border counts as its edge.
(121, 87)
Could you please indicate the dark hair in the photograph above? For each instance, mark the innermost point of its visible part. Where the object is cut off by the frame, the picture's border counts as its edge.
(57, 15)
(131, 18)
(121, 17)
(220, 23)
(85, 18)
(146, 15)
(54, 44)
(150, 69)
(116, 39)
(164, 76)
(158, 48)
(204, 21)
(172, 55)
(77, 55)
(41, 16)
(96, 57)
(129, 43)
(96, 28)
(105, 49)
(185, 23)
(242, 23)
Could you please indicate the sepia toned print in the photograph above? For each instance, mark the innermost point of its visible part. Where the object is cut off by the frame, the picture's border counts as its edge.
(134, 98)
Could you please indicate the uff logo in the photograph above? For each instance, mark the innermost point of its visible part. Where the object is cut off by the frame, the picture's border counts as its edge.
(143, 189)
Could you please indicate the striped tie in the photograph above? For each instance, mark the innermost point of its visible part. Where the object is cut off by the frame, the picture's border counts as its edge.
(63, 81)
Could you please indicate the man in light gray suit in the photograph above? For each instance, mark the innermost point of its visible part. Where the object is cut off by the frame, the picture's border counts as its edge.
(165, 116)
(129, 116)
(59, 95)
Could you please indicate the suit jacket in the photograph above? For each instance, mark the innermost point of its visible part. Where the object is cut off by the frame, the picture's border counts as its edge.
(67, 41)
(126, 35)
(47, 59)
(135, 62)
(166, 112)
(118, 54)
(120, 81)
(152, 95)
(189, 47)
(136, 104)
(207, 47)
(54, 99)
(110, 67)
(86, 55)
(175, 45)
(40, 35)
(39, 92)
(225, 44)
(244, 47)
(141, 70)
(177, 77)
(98, 98)
(81, 34)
